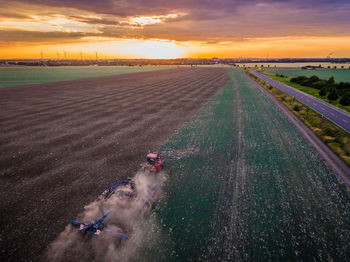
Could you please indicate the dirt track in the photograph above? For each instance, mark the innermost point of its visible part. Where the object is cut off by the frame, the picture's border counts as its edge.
(63, 143)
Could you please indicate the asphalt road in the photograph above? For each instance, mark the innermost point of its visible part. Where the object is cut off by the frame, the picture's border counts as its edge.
(339, 118)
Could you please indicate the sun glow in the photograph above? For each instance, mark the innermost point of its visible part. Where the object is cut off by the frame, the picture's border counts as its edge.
(155, 50)
(109, 48)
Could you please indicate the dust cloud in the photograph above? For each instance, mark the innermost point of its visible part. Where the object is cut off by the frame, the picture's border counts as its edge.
(129, 216)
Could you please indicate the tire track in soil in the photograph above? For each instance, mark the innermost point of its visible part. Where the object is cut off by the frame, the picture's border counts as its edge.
(230, 230)
(63, 143)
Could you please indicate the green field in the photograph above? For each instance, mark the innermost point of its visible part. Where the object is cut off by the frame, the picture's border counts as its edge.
(338, 74)
(36, 75)
(244, 185)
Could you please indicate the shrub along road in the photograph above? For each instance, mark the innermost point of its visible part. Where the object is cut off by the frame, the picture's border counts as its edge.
(339, 118)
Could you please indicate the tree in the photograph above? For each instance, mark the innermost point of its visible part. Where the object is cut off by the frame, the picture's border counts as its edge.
(313, 79)
(331, 80)
(343, 87)
(299, 79)
(345, 100)
(319, 84)
(323, 91)
(333, 94)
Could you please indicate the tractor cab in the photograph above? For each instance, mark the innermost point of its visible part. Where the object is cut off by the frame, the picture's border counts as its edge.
(154, 162)
(152, 158)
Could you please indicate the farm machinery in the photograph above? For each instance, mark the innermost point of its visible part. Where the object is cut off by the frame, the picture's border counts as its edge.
(126, 189)
(98, 227)
(154, 163)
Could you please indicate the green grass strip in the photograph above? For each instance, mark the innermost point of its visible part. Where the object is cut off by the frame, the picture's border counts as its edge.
(244, 185)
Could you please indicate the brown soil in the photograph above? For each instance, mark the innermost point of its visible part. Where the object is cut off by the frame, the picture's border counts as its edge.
(63, 143)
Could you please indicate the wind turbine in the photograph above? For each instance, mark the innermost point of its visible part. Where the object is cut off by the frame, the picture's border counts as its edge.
(329, 55)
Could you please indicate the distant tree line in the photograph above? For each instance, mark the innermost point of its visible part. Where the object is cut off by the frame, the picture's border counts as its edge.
(328, 88)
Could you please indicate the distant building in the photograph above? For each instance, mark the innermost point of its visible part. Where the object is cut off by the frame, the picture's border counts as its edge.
(215, 60)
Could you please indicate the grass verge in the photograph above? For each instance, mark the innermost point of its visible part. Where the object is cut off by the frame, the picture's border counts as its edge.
(337, 139)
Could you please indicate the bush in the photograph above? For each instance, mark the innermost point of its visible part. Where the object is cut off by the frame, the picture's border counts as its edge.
(345, 100)
(296, 108)
(329, 132)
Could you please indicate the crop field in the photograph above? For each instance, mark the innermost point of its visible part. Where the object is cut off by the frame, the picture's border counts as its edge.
(63, 144)
(338, 74)
(244, 185)
(36, 75)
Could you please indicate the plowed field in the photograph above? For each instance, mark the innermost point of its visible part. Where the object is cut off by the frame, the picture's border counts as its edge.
(63, 143)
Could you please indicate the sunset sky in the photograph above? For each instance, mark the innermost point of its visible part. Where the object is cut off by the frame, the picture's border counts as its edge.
(173, 29)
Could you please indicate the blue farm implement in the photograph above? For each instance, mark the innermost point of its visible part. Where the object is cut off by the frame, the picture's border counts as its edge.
(98, 227)
(117, 185)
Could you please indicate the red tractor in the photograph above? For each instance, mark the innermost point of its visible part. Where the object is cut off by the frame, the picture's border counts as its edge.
(154, 163)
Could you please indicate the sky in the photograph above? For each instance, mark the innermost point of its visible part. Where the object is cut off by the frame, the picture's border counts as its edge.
(88, 29)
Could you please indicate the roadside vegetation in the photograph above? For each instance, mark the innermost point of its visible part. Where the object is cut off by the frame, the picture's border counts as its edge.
(337, 94)
(337, 139)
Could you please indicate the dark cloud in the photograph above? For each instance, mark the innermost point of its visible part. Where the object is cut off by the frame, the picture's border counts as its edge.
(96, 21)
(156, 7)
(12, 15)
(119, 8)
(42, 37)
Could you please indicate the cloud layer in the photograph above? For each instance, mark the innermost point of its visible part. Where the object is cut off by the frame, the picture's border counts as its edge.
(205, 21)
